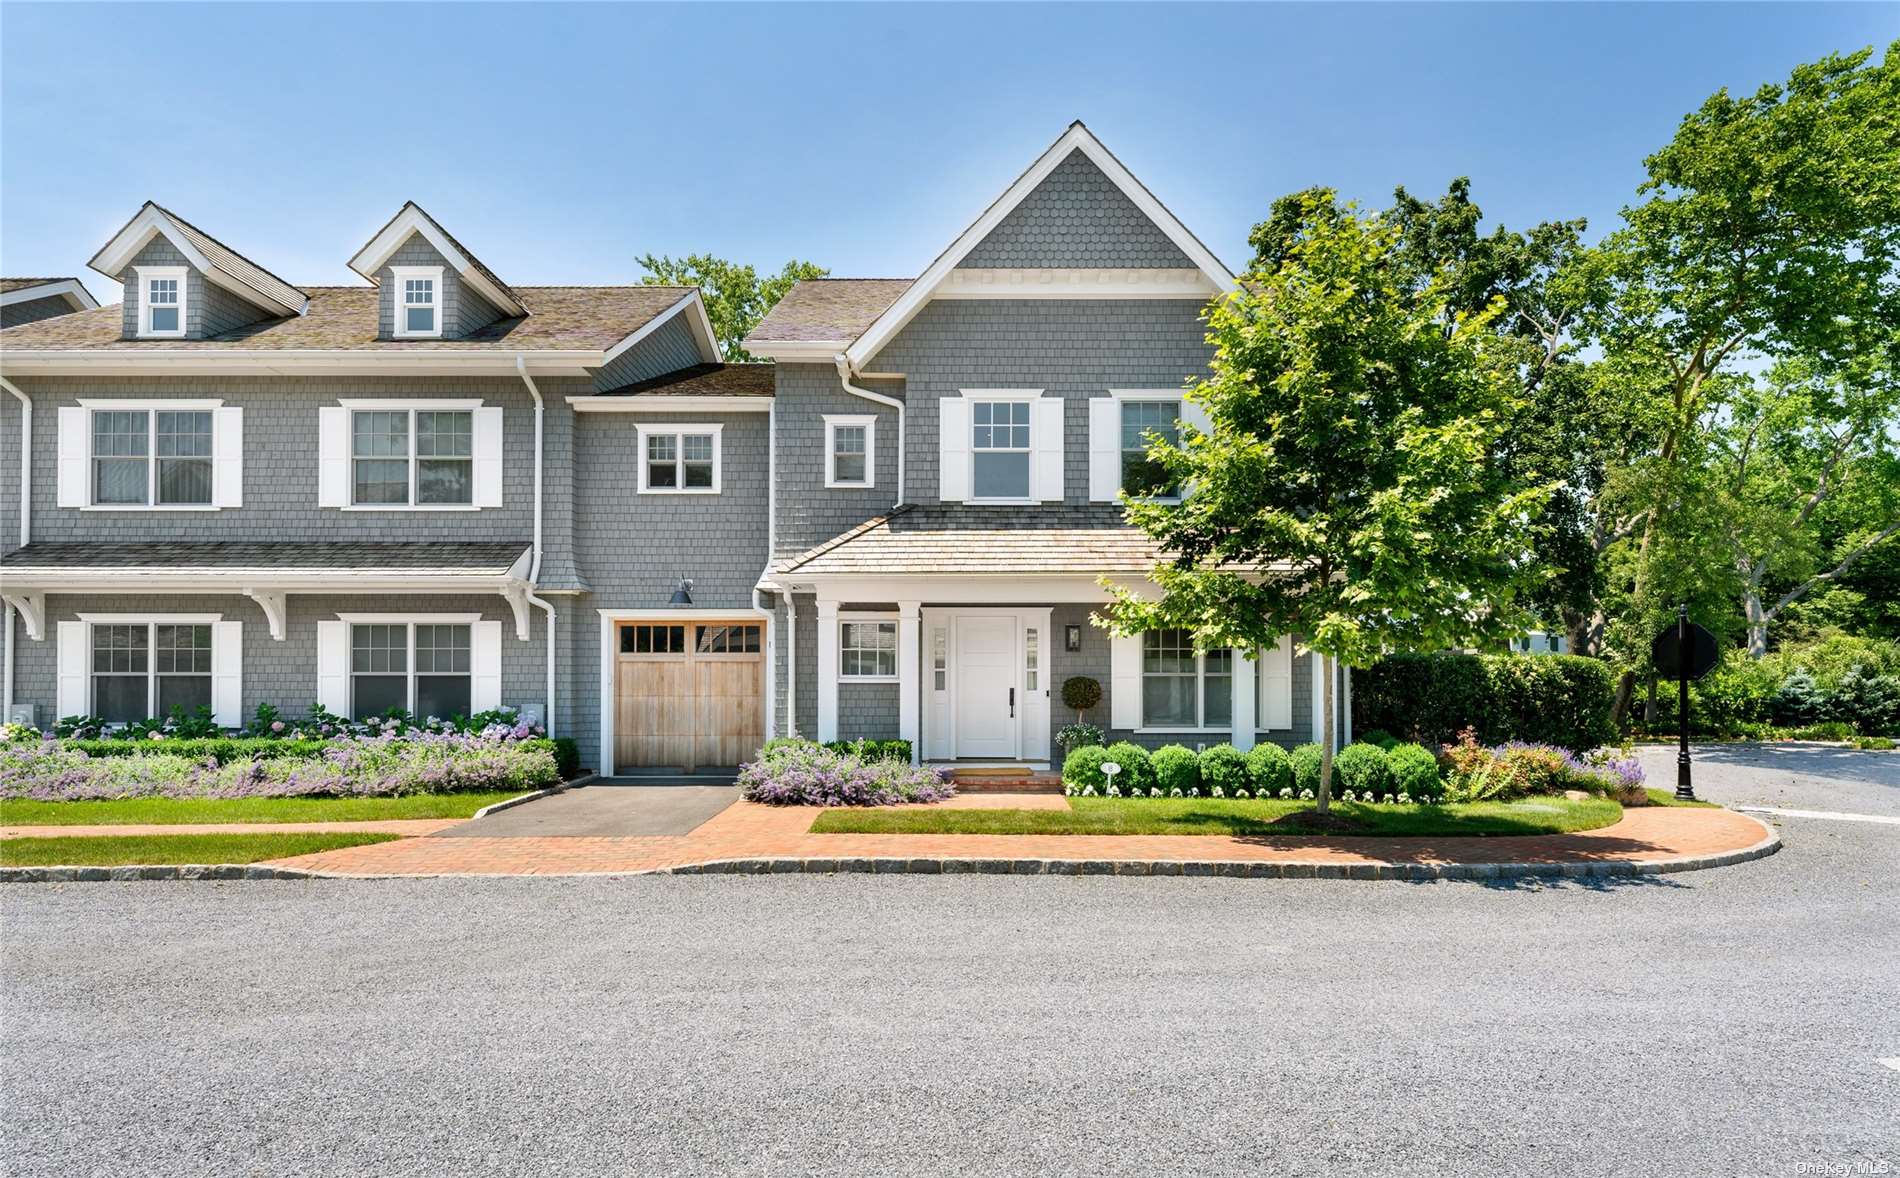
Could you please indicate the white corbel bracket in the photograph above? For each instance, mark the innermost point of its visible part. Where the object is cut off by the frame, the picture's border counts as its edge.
(516, 594)
(32, 607)
(274, 605)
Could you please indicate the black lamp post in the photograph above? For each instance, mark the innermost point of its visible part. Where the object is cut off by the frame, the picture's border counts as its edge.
(1684, 790)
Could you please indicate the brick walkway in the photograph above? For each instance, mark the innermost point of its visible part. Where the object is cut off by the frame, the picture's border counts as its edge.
(403, 826)
(754, 833)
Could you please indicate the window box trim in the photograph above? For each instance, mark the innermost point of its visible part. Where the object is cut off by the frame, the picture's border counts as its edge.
(146, 275)
(398, 294)
(850, 420)
(679, 432)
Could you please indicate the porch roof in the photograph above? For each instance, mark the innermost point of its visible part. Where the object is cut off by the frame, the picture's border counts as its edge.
(964, 539)
(280, 560)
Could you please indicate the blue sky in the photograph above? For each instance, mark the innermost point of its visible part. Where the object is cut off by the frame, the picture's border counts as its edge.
(561, 141)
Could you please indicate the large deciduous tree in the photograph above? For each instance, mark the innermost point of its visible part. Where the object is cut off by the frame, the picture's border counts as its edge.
(736, 297)
(1351, 487)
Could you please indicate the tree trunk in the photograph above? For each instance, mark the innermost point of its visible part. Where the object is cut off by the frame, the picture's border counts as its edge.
(1620, 710)
(1326, 732)
(1649, 704)
(1757, 622)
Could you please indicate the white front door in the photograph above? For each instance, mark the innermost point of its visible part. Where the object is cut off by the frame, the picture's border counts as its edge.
(986, 707)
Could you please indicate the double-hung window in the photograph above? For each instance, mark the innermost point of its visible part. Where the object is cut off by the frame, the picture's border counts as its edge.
(423, 457)
(419, 667)
(680, 459)
(418, 293)
(850, 451)
(162, 293)
(999, 449)
(143, 670)
(867, 650)
(151, 458)
(1183, 689)
(1142, 476)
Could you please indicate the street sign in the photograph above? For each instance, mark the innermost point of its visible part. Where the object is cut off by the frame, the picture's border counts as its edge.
(1704, 654)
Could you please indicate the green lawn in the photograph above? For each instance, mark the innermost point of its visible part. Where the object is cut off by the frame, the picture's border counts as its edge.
(121, 850)
(1227, 816)
(131, 811)
(1667, 797)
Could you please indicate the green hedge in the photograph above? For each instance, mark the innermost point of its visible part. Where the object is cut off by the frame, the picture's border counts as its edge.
(872, 750)
(1555, 699)
(227, 749)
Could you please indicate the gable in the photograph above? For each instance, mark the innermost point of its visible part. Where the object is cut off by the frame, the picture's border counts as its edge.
(463, 309)
(210, 309)
(1077, 218)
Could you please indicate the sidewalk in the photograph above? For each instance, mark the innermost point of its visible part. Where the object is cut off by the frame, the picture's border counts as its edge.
(748, 837)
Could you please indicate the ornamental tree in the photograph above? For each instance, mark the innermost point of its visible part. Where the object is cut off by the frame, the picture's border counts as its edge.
(736, 296)
(1351, 487)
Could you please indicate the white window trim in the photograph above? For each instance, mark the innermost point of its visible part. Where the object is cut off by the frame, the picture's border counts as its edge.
(351, 621)
(1200, 694)
(352, 406)
(399, 295)
(1122, 397)
(862, 616)
(146, 275)
(869, 423)
(678, 432)
(1024, 396)
(151, 622)
(151, 409)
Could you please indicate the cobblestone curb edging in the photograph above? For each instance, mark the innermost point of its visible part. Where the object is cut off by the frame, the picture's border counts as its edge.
(949, 865)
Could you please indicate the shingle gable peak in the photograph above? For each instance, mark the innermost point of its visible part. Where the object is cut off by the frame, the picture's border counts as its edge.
(412, 219)
(217, 261)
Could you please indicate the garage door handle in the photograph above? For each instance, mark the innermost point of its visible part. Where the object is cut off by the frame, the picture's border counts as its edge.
(1012, 703)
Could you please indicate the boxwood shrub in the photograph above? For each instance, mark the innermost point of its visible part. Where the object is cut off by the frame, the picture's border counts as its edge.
(1083, 768)
(1362, 768)
(1269, 769)
(1138, 771)
(1225, 766)
(1556, 699)
(1176, 767)
(872, 750)
(1305, 763)
(1414, 769)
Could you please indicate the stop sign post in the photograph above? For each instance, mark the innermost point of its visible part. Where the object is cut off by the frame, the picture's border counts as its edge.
(1686, 651)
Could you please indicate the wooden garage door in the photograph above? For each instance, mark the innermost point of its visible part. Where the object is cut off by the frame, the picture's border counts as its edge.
(688, 695)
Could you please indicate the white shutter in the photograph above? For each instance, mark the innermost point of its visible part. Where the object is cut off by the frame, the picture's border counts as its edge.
(1105, 449)
(227, 674)
(1195, 414)
(953, 449)
(71, 656)
(74, 445)
(484, 660)
(1045, 424)
(227, 463)
(488, 457)
(1124, 681)
(333, 666)
(333, 462)
(1276, 686)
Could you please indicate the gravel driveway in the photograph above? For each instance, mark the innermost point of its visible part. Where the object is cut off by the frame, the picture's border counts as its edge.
(1726, 1021)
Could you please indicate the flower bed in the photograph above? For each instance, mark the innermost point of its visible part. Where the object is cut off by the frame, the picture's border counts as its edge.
(800, 773)
(383, 766)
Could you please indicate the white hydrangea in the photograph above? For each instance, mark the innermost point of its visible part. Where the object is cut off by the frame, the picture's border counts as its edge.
(1194, 791)
(1286, 791)
(1241, 793)
(1217, 792)
(1175, 792)
(1388, 799)
(1154, 791)
(1347, 797)
(1114, 791)
(1405, 799)
(1306, 795)
(1088, 791)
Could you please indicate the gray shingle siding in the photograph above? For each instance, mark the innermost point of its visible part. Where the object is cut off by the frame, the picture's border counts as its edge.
(809, 513)
(671, 347)
(210, 309)
(33, 310)
(1076, 218)
(462, 308)
(867, 711)
(1073, 348)
(282, 674)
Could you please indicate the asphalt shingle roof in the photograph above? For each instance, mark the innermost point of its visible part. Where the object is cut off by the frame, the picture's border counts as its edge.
(827, 309)
(476, 558)
(9, 285)
(704, 380)
(566, 318)
(955, 539)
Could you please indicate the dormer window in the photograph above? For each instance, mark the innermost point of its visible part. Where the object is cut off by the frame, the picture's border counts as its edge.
(418, 301)
(161, 302)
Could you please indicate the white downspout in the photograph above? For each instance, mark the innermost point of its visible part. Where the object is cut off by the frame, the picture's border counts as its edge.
(844, 378)
(26, 525)
(534, 566)
(791, 666)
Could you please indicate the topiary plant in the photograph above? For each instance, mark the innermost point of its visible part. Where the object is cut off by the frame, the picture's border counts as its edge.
(1176, 767)
(1363, 769)
(1081, 693)
(1225, 766)
(1414, 769)
(1083, 767)
(1138, 771)
(1305, 762)
(1269, 768)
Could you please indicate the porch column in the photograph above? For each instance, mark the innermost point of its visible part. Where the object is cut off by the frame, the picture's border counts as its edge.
(1246, 681)
(1319, 696)
(1345, 706)
(827, 670)
(909, 689)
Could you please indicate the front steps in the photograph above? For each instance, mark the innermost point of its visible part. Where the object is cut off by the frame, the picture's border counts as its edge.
(1005, 779)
